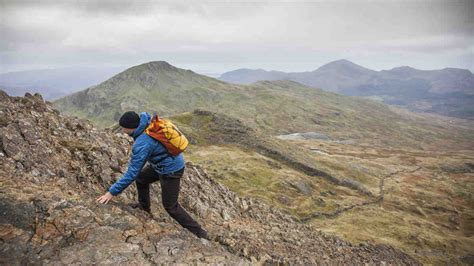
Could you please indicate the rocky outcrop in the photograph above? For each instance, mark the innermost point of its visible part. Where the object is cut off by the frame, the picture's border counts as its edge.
(53, 168)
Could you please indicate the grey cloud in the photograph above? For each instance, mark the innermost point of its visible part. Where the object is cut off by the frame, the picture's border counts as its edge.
(14, 38)
(270, 32)
(220, 9)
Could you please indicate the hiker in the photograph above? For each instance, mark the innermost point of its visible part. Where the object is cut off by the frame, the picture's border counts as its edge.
(162, 166)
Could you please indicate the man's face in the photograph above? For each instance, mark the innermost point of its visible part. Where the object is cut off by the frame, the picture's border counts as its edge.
(128, 131)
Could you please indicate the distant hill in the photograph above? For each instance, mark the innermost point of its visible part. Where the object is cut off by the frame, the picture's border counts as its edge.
(54, 83)
(448, 91)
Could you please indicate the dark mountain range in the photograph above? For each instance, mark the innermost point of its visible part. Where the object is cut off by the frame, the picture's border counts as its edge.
(448, 91)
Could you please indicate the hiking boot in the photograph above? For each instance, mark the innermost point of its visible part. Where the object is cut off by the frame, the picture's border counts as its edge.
(203, 234)
(139, 206)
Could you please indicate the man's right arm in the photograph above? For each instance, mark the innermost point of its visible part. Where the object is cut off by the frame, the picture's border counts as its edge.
(140, 152)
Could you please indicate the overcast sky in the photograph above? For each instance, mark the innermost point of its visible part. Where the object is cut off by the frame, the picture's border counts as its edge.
(219, 36)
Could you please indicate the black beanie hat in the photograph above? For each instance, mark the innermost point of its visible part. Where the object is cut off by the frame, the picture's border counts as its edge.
(129, 119)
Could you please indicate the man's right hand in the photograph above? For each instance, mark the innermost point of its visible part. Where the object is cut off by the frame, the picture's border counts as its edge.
(105, 198)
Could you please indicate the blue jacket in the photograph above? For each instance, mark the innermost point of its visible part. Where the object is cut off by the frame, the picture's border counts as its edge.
(146, 148)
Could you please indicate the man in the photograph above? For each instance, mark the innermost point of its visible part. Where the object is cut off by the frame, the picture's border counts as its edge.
(161, 166)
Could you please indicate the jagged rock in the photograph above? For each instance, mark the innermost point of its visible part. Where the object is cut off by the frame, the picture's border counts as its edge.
(4, 96)
(283, 199)
(244, 205)
(327, 193)
(225, 215)
(302, 186)
(52, 168)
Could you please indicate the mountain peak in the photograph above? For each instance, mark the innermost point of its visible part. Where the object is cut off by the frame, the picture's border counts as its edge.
(403, 68)
(342, 61)
(147, 73)
(157, 66)
(341, 65)
(152, 71)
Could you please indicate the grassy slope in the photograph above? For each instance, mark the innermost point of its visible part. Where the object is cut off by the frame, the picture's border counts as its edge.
(427, 209)
(427, 213)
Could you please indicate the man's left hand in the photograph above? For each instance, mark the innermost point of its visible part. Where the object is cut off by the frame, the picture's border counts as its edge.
(105, 198)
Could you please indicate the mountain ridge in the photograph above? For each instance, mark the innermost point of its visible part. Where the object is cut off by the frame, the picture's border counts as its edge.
(448, 91)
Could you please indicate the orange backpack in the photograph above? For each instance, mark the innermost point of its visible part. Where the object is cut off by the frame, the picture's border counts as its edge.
(168, 134)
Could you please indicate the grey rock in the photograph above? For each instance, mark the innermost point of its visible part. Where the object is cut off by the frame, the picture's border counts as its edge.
(302, 186)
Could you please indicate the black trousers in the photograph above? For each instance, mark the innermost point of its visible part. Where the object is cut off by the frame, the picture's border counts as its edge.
(169, 196)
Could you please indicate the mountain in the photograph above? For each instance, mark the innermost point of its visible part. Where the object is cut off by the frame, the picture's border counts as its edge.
(335, 76)
(155, 86)
(448, 80)
(162, 88)
(332, 76)
(54, 83)
(54, 167)
(448, 91)
(361, 169)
